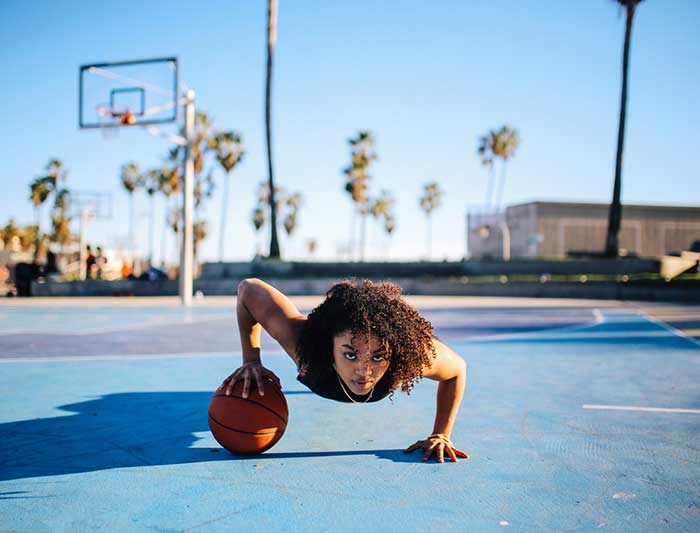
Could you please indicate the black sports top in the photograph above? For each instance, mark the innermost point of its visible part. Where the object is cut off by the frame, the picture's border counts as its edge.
(328, 386)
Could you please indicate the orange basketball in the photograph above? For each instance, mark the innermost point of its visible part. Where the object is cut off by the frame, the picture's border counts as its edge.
(248, 425)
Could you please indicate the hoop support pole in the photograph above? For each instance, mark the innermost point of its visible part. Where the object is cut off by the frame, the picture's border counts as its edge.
(187, 251)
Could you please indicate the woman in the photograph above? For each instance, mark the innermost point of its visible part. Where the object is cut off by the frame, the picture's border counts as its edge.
(360, 345)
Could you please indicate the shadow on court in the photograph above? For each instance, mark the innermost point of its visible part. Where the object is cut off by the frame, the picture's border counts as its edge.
(128, 430)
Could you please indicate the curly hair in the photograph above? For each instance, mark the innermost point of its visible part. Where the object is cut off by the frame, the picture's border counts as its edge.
(365, 307)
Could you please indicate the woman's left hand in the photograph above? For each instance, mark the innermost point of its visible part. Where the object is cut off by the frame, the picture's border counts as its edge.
(439, 444)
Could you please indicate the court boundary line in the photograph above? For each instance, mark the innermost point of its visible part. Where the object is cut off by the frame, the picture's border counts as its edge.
(640, 408)
(114, 357)
(668, 327)
(598, 318)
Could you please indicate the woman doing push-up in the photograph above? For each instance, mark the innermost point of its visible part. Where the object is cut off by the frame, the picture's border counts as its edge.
(359, 345)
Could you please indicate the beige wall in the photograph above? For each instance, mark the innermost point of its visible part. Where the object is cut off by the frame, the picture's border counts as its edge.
(551, 229)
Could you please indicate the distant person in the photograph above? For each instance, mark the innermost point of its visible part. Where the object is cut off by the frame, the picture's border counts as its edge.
(100, 262)
(126, 269)
(51, 266)
(360, 345)
(90, 262)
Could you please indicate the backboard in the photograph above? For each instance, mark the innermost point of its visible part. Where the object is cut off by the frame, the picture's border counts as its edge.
(96, 204)
(128, 93)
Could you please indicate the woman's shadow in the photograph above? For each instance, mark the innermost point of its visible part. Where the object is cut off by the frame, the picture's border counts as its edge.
(126, 430)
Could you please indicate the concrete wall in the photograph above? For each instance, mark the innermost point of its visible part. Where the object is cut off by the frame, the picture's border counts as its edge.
(553, 229)
(676, 291)
(427, 269)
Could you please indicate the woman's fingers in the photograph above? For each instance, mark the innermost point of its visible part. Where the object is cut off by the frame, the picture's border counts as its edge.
(438, 448)
(413, 447)
(246, 384)
(259, 380)
(461, 453)
(451, 453)
(429, 451)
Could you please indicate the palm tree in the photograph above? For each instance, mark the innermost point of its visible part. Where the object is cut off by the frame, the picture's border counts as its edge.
(131, 180)
(10, 234)
(169, 183)
(497, 144)
(229, 152)
(43, 187)
(151, 184)
(61, 219)
(362, 154)
(271, 38)
(615, 213)
(428, 203)
(383, 207)
(506, 142)
(293, 204)
(485, 151)
(199, 233)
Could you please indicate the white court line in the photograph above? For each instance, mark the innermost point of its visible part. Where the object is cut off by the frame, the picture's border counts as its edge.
(112, 357)
(633, 408)
(598, 318)
(668, 327)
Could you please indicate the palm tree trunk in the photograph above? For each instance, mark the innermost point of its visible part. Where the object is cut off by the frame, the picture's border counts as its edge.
(271, 36)
(151, 230)
(363, 235)
(131, 226)
(429, 237)
(37, 220)
(489, 189)
(499, 196)
(612, 246)
(353, 232)
(164, 234)
(224, 214)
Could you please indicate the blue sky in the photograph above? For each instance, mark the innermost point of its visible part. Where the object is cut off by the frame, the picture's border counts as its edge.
(427, 78)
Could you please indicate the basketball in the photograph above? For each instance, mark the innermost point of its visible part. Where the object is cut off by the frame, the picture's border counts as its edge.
(250, 425)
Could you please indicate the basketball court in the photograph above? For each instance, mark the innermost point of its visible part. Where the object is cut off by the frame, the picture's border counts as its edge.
(578, 416)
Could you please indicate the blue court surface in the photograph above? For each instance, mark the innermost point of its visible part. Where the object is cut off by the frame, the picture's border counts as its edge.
(579, 417)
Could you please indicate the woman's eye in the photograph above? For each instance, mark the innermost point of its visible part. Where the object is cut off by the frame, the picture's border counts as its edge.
(378, 358)
(350, 356)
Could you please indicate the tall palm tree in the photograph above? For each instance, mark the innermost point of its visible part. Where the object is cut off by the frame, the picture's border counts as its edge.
(497, 144)
(485, 152)
(169, 184)
(229, 152)
(506, 142)
(383, 208)
(293, 203)
(61, 219)
(432, 195)
(131, 180)
(151, 185)
(362, 154)
(271, 38)
(612, 247)
(43, 187)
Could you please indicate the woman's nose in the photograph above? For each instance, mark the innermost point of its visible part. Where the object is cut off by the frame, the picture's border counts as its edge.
(363, 368)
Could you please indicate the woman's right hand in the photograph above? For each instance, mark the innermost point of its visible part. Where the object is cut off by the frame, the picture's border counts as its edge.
(248, 372)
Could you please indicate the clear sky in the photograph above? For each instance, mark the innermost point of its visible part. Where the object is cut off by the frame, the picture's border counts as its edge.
(426, 78)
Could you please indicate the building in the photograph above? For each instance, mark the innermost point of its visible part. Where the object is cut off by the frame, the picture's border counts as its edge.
(560, 229)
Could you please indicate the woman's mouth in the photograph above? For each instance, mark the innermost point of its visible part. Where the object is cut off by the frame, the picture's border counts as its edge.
(364, 384)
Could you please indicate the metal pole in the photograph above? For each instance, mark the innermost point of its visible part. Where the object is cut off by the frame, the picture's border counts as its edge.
(186, 254)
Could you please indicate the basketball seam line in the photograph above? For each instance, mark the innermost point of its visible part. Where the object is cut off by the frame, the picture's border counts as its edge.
(253, 401)
(259, 433)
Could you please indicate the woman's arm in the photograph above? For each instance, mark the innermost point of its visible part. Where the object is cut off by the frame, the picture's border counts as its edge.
(259, 306)
(451, 371)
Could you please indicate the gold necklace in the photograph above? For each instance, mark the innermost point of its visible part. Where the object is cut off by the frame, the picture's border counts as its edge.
(346, 392)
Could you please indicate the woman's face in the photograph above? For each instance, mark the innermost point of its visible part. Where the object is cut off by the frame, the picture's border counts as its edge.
(360, 361)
